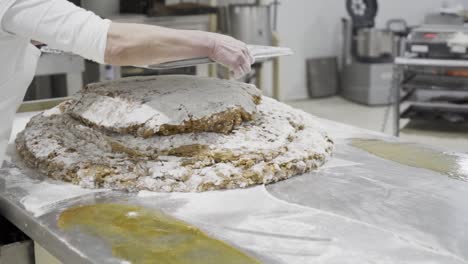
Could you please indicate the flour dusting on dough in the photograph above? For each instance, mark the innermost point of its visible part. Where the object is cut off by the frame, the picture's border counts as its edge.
(273, 143)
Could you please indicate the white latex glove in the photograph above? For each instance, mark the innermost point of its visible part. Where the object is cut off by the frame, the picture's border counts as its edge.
(458, 41)
(231, 53)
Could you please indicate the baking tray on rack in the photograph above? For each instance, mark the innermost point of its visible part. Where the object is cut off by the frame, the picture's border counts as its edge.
(451, 113)
(437, 82)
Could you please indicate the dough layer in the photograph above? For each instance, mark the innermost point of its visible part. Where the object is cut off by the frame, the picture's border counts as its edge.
(166, 105)
(277, 143)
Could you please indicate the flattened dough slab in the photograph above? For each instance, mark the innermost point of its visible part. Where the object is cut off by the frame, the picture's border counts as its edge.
(166, 105)
(277, 143)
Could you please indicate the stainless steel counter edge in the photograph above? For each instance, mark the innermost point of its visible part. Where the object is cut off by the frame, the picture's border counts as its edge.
(24, 221)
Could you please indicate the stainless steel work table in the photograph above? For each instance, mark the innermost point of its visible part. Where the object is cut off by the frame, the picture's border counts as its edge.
(357, 209)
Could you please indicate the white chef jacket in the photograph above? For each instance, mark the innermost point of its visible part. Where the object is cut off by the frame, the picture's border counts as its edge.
(57, 23)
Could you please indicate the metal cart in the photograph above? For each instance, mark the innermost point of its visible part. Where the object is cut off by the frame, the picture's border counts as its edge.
(434, 89)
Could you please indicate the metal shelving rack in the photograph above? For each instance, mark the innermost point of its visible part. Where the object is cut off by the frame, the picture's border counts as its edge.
(413, 74)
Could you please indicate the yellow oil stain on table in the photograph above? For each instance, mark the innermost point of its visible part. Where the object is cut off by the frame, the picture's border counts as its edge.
(417, 156)
(140, 235)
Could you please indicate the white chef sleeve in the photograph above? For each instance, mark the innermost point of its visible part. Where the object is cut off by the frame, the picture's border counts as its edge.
(59, 24)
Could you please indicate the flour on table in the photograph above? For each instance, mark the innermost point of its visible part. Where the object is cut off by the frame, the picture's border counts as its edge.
(242, 139)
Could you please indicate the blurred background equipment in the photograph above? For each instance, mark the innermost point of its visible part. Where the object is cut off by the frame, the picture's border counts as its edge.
(179, 8)
(104, 8)
(250, 23)
(76, 2)
(322, 77)
(432, 78)
(254, 22)
(368, 54)
(431, 41)
(57, 75)
(135, 6)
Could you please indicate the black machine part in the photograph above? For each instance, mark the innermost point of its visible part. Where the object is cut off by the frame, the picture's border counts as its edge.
(76, 2)
(135, 6)
(362, 12)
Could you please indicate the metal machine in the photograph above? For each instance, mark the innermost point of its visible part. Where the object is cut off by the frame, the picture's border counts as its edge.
(432, 79)
(431, 41)
(368, 54)
(251, 23)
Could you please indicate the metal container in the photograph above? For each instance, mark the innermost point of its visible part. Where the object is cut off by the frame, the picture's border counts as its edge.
(400, 30)
(322, 77)
(347, 32)
(374, 43)
(248, 23)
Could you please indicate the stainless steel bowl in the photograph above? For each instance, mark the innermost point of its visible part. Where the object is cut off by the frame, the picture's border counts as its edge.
(248, 23)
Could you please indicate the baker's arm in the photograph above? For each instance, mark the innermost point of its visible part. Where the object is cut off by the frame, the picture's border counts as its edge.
(59, 24)
(64, 26)
(136, 44)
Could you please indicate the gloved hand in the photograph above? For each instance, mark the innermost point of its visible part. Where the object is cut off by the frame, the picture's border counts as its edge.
(230, 53)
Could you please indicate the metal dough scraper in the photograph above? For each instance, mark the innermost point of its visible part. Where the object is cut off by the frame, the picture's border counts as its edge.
(260, 53)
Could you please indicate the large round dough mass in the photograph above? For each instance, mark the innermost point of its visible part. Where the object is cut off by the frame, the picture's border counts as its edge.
(242, 140)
